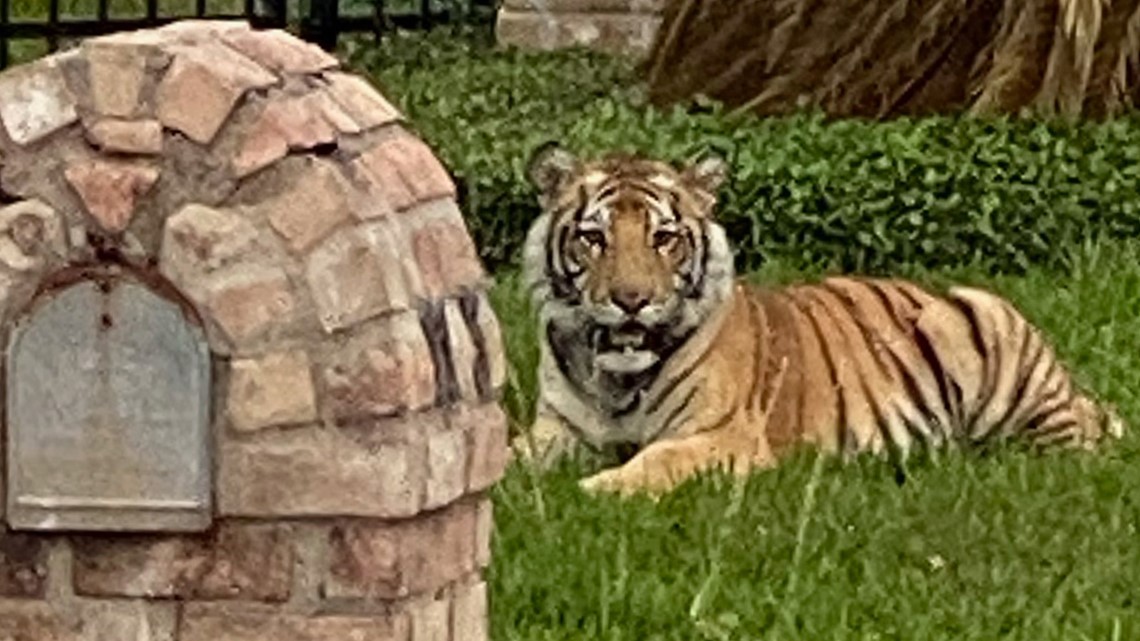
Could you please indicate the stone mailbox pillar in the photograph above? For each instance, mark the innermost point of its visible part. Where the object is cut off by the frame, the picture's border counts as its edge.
(251, 374)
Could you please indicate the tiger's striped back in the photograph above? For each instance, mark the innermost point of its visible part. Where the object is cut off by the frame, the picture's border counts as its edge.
(884, 363)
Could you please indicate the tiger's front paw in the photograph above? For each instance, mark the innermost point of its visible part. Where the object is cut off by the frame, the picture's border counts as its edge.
(625, 481)
(604, 482)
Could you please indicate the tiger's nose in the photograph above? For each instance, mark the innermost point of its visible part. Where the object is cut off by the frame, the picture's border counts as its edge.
(629, 300)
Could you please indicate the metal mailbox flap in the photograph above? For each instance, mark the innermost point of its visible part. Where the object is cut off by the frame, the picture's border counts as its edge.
(108, 412)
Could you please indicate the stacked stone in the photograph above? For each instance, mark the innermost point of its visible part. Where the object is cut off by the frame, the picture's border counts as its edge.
(625, 27)
(357, 362)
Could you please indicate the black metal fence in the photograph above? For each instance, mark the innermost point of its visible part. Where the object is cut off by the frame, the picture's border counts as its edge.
(321, 21)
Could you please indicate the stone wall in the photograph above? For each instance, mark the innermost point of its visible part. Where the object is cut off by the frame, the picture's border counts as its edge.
(357, 364)
(616, 26)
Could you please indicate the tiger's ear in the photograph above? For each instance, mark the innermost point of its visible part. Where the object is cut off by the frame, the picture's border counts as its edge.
(549, 165)
(706, 172)
(704, 175)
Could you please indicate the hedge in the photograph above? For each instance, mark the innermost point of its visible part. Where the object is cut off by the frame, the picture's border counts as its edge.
(852, 195)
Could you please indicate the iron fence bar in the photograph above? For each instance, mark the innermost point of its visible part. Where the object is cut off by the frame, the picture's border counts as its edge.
(5, 10)
(152, 11)
(379, 20)
(249, 11)
(280, 13)
(53, 20)
(199, 8)
(103, 10)
(323, 23)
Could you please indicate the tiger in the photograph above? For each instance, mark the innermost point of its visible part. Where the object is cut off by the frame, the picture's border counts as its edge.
(649, 340)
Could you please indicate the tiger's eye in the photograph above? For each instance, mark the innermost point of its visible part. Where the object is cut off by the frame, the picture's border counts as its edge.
(664, 239)
(592, 237)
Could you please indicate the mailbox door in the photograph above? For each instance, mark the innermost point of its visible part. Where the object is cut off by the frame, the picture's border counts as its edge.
(108, 411)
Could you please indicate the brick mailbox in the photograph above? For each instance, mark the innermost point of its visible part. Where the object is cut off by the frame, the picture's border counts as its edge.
(251, 374)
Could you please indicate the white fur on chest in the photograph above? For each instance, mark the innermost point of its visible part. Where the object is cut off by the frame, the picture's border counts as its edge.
(586, 418)
(639, 425)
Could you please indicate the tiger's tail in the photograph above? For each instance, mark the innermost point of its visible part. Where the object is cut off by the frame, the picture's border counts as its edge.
(1098, 420)
(1010, 379)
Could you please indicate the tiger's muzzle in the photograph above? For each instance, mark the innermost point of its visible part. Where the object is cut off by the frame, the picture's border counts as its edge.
(631, 335)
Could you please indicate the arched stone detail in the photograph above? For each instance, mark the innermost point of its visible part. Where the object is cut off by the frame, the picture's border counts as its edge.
(357, 363)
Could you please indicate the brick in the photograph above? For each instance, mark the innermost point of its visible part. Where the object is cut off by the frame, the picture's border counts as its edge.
(628, 34)
(484, 531)
(360, 100)
(486, 429)
(351, 280)
(488, 324)
(430, 620)
(263, 145)
(110, 189)
(383, 177)
(373, 205)
(136, 621)
(194, 101)
(199, 240)
(271, 390)
(385, 560)
(443, 250)
(280, 52)
(196, 31)
(142, 137)
(23, 565)
(22, 620)
(116, 73)
(469, 613)
(144, 38)
(283, 125)
(235, 561)
(31, 621)
(462, 350)
(447, 459)
(405, 171)
(211, 622)
(31, 235)
(35, 101)
(382, 371)
(246, 301)
(386, 235)
(202, 87)
(378, 472)
(335, 114)
(317, 200)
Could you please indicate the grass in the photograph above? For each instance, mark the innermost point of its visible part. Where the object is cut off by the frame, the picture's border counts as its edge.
(1007, 546)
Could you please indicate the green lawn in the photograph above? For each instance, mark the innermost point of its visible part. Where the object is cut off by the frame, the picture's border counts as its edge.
(1009, 546)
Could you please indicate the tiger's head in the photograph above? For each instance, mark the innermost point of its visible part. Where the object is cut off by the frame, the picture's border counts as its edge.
(628, 247)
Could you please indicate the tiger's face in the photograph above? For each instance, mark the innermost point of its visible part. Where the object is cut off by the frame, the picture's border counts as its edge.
(628, 246)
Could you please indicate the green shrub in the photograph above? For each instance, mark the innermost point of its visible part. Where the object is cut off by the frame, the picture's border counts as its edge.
(853, 195)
